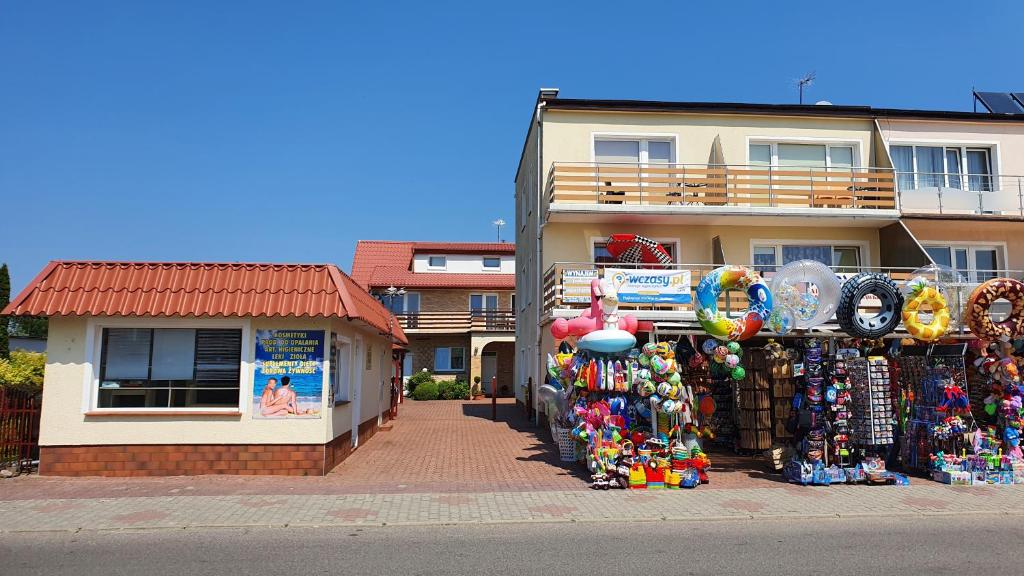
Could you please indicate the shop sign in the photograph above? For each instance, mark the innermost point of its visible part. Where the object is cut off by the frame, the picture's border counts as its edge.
(651, 286)
(576, 285)
(289, 377)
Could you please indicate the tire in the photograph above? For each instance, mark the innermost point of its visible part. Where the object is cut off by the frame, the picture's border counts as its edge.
(854, 290)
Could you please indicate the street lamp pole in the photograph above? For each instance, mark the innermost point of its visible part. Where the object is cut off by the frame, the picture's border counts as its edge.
(390, 293)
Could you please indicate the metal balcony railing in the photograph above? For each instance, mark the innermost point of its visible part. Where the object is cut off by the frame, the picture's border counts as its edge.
(956, 193)
(719, 185)
(459, 321)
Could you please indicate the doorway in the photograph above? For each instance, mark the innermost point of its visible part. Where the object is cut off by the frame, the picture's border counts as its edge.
(488, 370)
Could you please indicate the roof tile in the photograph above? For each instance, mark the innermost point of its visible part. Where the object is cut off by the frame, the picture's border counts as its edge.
(379, 263)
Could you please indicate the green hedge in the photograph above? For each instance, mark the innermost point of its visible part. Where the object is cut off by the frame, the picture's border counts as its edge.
(426, 391)
(23, 371)
(453, 390)
(417, 379)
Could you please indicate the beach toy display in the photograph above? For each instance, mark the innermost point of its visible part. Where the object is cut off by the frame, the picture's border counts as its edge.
(714, 321)
(805, 294)
(922, 293)
(891, 304)
(600, 328)
(977, 315)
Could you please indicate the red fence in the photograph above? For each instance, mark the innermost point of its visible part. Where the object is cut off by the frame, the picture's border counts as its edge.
(19, 426)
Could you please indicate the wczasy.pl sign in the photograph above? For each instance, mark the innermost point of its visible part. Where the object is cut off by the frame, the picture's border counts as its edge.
(651, 286)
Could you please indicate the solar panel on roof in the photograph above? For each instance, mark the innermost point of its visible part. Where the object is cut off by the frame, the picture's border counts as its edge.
(1000, 102)
(1020, 98)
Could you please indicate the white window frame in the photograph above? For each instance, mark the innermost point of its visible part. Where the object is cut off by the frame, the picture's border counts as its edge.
(865, 247)
(972, 249)
(342, 396)
(963, 146)
(483, 298)
(642, 137)
(449, 369)
(675, 242)
(94, 354)
(829, 143)
(486, 268)
(441, 267)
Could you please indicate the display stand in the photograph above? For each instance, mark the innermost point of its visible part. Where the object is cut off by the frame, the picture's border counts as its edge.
(871, 423)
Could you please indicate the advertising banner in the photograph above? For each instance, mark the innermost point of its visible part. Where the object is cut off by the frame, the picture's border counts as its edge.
(651, 286)
(289, 376)
(576, 286)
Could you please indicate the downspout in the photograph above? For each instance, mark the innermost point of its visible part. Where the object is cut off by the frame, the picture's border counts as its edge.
(539, 264)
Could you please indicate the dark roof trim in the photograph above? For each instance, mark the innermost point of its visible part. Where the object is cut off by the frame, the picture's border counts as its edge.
(833, 111)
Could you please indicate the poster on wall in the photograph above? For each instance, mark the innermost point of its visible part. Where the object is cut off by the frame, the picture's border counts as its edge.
(651, 286)
(576, 286)
(289, 376)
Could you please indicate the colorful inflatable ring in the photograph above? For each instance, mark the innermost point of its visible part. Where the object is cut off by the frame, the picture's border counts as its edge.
(930, 296)
(716, 323)
(978, 318)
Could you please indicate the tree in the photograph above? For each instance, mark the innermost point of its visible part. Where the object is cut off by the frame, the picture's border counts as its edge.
(5, 299)
(29, 326)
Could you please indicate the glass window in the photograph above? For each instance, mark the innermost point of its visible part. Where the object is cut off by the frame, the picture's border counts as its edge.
(979, 170)
(458, 359)
(985, 263)
(802, 155)
(617, 151)
(761, 154)
(659, 152)
(449, 359)
(492, 262)
(841, 156)
(822, 254)
(437, 261)
(764, 258)
(931, 168)
(846, 256)
(941, 255)
(953, 168)
(412, 303)
(169, 368)
(903, 163)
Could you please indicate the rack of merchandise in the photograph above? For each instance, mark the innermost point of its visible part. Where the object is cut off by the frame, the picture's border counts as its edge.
(871, 423)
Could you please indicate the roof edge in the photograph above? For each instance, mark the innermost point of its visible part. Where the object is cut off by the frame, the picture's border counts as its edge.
(18, 300)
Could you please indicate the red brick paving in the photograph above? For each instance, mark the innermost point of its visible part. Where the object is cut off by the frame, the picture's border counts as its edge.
(434, 447)
(744, 505)
(139, 517)
(934, 503)
(353, 514)
(553, 510)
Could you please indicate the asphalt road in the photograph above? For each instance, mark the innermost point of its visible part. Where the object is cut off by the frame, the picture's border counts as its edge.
(936, 545)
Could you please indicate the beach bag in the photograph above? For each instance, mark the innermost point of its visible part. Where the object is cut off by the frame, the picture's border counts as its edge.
(637, 477)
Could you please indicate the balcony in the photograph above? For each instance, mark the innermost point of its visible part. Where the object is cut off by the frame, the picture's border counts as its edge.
(457, 322)
(954, 193)
(556, 304)
(675, 189)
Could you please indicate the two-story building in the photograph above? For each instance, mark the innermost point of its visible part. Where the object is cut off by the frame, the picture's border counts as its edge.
(455, 302)
(756, 184)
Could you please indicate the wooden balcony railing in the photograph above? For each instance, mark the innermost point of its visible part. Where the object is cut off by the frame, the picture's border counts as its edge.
(553, 300)
(721, 185)
(462, 321)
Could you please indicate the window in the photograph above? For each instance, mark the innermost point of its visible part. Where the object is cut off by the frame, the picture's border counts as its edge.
(169, 368)
(341, 371)
(408, 303)
(804, 155)
(976, 263)
(942, 166)
(451, 359)
(369, 357)
(633, 150)
(437, 261)
(602, 256)
(483, 302)
(766, 256)
(492, 262)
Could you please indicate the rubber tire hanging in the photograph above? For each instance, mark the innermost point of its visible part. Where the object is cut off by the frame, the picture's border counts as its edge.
(854, 290)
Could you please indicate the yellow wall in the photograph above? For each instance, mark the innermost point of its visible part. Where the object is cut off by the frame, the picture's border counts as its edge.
(69, 372)
(1007, 138)
(568, 136)
(1010, 234)
(571, 242)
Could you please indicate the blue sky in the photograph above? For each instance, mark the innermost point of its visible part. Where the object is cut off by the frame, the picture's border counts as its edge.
(286, 131)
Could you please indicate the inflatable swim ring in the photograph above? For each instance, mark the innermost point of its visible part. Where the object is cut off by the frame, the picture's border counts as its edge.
(854, 290)
(813, 304)
(716, 323)
(977, 314)
(923, 293)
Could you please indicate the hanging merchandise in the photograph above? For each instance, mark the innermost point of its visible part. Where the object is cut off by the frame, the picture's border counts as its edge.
(636, 249)
(921, 292)
(599, 328)
(977, 315)
(882, 288)
(806, 291)
(716, 323)
(870, 388)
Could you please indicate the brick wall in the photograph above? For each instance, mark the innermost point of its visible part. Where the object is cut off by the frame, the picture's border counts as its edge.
(458, 300)
(195, 459)
(421, 346)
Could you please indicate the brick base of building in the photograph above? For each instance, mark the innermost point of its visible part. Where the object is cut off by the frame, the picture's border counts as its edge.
(195, 459)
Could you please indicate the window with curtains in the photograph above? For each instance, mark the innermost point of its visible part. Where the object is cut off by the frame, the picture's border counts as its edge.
(632, 150)
(959, 167)
(768, 257)
(169, 368)
(977, 263)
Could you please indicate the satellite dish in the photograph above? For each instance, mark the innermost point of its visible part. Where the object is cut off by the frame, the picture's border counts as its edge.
(822, 103)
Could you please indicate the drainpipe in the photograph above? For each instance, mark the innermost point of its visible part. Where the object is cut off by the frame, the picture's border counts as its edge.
(539, 256)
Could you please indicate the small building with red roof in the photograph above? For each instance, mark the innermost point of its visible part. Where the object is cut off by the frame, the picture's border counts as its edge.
(455, 301)
(170, 368)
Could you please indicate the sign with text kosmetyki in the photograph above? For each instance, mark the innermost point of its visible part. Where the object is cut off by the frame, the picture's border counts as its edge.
(651, 286)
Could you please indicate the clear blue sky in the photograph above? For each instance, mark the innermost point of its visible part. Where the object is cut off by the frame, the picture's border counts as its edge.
(286, 131)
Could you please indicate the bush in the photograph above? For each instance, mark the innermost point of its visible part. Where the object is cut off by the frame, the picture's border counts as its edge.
(417, 379)
(23, 371)
(425, 391)
(453, 390)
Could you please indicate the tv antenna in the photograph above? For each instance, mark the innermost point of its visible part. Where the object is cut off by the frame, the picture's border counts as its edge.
(498, 224)
(807, 80)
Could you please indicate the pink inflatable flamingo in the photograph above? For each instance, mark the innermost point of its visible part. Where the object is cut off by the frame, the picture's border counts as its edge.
(603, 314)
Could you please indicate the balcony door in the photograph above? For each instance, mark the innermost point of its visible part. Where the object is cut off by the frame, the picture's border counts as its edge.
(613, 154)
(485, 307)
(977, 263)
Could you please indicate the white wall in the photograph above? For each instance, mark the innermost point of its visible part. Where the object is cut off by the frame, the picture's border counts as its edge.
(464, 264)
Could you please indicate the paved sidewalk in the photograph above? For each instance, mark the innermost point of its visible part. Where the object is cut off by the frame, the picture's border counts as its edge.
(698, 505)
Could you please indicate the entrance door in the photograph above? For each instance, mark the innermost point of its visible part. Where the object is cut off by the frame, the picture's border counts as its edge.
(488, 369)
(407, 367)
(357, 390)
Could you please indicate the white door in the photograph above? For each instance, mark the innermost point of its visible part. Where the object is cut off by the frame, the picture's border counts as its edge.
(407, 367)
(488, 370)
(357, 390)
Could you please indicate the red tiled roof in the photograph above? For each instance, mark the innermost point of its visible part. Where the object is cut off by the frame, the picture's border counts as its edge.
(198, 289)
(380, 263)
